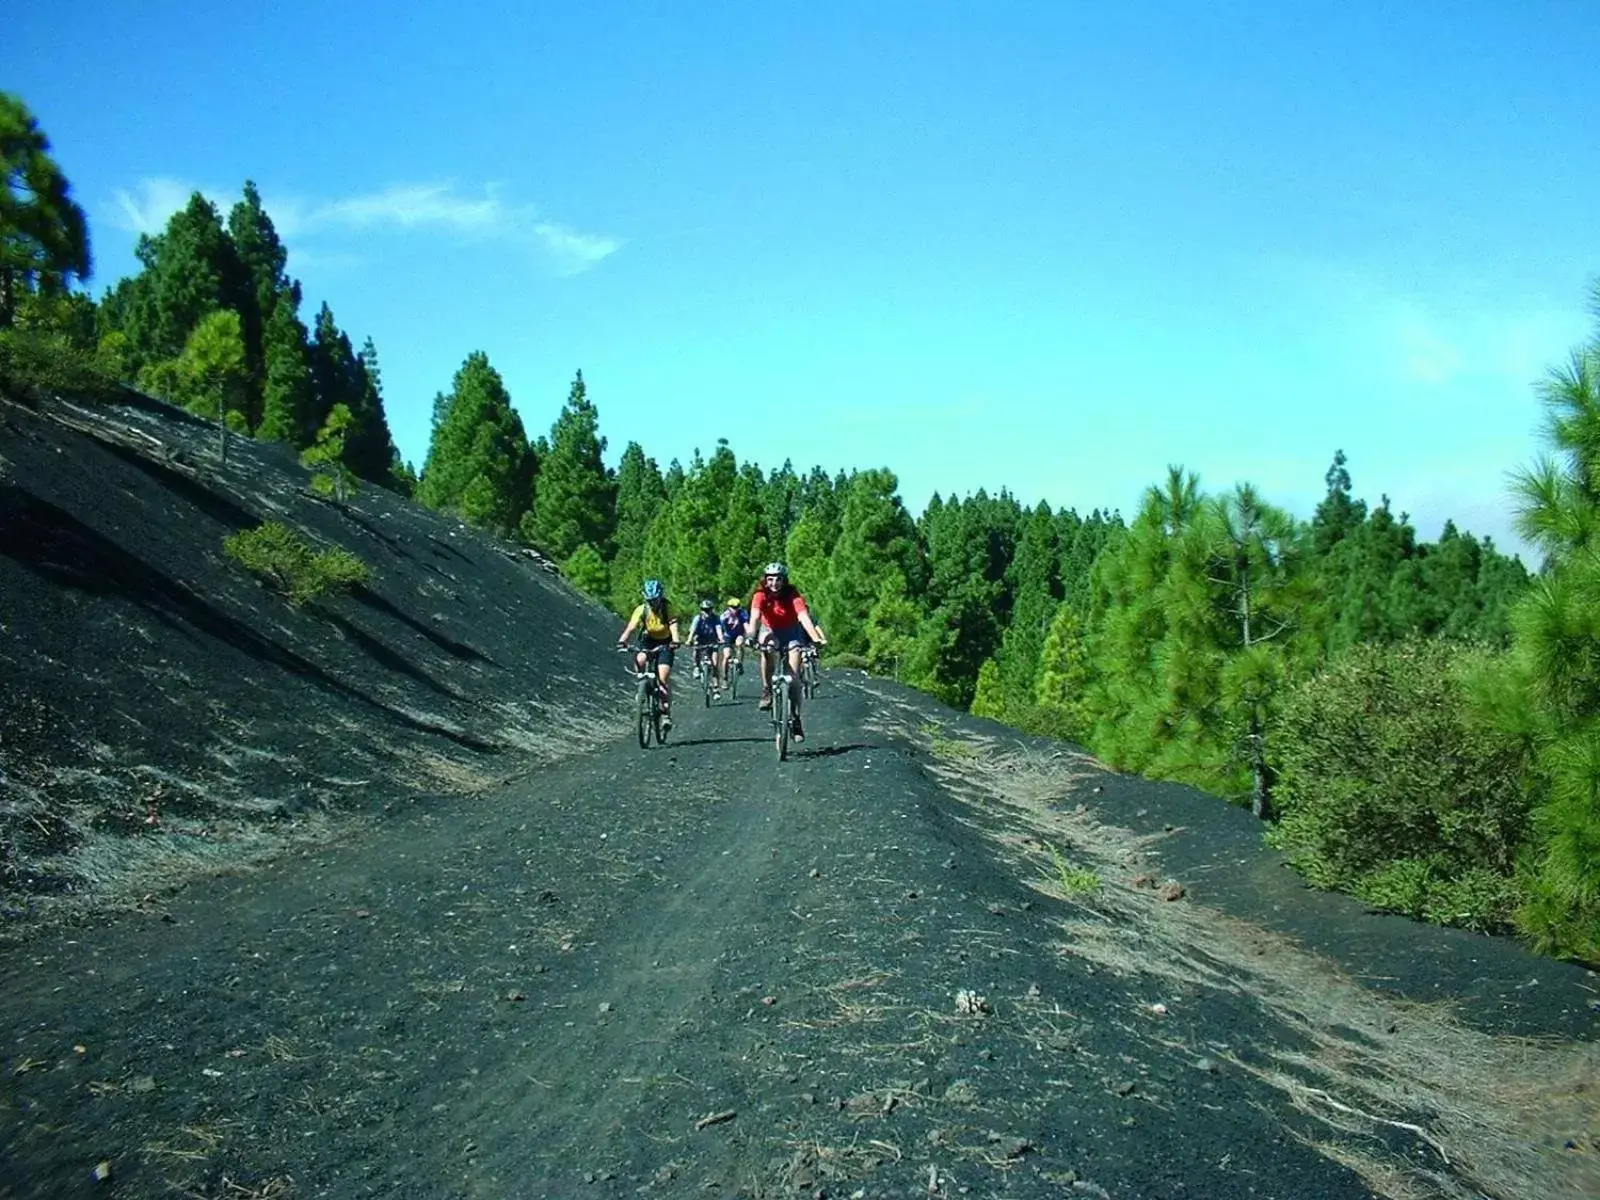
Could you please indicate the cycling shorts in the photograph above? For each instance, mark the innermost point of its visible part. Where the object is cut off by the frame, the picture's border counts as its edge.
(660, 647)
(790, 638)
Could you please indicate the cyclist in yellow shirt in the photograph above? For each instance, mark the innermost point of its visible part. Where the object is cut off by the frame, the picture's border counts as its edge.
(658, 637)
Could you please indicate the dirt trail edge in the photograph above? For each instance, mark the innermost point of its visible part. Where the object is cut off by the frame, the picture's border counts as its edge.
(906, 963)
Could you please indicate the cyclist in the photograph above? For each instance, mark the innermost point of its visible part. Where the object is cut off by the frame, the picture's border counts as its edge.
(779, 605)
(658, 635)
(733, 619)
(705, 635)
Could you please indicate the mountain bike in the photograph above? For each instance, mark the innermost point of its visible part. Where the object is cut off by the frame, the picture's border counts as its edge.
(705, 660)
(735, 669)
(810, 672)
(648, 697)
(781, 679)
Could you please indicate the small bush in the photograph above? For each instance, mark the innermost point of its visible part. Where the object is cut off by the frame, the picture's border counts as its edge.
(1074, 881)
(35, 362)
(291, 566)
(1390, 790)
(332, 479)
(843, 658)
(587, 571)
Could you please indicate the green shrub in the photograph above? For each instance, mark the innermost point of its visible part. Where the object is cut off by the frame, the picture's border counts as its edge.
(34, 362)
(587, 571)
(331, 478)
(1388, 787)
(291, 566)
(1073, 881)
(843, 658)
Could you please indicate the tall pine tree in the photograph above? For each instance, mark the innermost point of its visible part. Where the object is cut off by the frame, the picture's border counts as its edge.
(479, 463)
(575, 501)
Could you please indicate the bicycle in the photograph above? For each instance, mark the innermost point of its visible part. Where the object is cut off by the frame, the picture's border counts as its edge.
(735, 669)
(649, 696)
(705, 662)
(780, 680)
(810, 672)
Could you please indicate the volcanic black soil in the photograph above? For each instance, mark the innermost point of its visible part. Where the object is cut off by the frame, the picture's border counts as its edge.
(924, 957)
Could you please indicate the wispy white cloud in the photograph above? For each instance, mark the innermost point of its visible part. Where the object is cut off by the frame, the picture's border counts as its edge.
(415, 206)
(569, 251)
(147, 206)
(1442, 344)
(437, 208)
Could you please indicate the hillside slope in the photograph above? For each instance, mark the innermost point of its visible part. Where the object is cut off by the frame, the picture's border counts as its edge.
(160, 709)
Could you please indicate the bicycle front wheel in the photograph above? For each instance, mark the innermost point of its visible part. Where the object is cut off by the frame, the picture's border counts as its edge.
(646, 725)
(780, 716)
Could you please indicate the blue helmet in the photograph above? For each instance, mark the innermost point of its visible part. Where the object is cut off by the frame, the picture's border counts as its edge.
(653, 589)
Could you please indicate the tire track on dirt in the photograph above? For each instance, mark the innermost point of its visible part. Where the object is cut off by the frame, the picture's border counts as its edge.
(670, 1021)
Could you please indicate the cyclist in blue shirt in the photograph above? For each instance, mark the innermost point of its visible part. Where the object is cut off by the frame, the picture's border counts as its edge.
(733, 621)
(706, 635)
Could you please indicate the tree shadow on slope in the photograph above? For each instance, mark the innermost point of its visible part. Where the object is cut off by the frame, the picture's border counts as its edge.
(449, 645)
(58, 547)
(389, 658)
(448, 551)
(218, 507)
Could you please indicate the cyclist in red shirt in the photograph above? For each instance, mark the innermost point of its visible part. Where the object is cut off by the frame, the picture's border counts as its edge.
(779, 606)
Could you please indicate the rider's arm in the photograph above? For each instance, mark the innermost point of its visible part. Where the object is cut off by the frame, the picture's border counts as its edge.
(627, 632)
(806, 623)
(673, 627)
(755, 617)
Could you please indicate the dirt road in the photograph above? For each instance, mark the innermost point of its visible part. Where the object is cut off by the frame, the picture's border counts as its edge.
(693, 972)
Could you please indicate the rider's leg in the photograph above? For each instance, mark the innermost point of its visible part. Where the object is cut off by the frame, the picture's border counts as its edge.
(766, 678)
(794, 680)
(664, 674)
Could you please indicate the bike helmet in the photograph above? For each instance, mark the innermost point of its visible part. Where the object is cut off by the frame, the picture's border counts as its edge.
(733, 602)
(778, 569)
(653, 589)
(706, 606)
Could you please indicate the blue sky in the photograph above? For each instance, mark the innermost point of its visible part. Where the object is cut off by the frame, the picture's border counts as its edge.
(1050, 246)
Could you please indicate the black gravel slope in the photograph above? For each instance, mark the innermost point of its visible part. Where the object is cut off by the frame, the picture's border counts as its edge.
(150, 687)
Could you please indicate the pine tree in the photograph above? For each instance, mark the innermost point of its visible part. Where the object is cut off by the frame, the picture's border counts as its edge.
(640, 497)
(210, 377)
(336, 375)
(287, 400)
(742, 545)
(1254, 558)
(587, 571)
(262, 261)
(1036, 587)
(876, 539)
(191, 269)
(1065, 672)
(479, 463)
(327, 456)
(371, 451)
(44, 236)
(1548, 695)
(576, 501)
